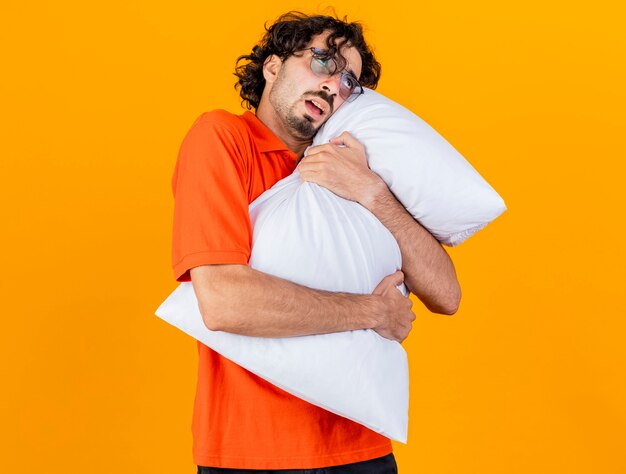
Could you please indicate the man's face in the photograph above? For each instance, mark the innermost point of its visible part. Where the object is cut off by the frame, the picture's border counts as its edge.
(302, 100)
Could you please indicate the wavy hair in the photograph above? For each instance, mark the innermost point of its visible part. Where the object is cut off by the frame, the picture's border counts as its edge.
(292, 32)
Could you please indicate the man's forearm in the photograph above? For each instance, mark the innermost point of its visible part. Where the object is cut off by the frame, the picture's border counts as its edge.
(241, 300)
(428, 270)
(341, 166)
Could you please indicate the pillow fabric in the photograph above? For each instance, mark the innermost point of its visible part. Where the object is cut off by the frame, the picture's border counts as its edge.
(426, 174)
(304, 233)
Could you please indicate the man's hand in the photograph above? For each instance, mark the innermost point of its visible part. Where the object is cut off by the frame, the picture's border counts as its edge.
(340, 166)
(397, 320)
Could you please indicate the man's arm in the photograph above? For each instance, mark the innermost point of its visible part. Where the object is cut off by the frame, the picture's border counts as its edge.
(341, 166)
(241, 300)
(211, 241)
(429, 271)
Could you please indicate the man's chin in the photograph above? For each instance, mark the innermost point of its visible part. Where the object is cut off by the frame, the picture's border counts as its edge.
(305, 128)
(316, 123)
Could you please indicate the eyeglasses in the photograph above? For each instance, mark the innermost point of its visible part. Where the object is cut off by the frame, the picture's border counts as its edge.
(323, 65)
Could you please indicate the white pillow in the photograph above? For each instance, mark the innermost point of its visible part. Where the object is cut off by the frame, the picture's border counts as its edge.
(428, 176)
(305, 233)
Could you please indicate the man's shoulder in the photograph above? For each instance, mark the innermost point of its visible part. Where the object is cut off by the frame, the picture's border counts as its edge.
(219, 132)
(222, 119)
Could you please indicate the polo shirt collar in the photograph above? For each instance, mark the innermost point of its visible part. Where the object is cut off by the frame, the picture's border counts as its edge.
(265, 138)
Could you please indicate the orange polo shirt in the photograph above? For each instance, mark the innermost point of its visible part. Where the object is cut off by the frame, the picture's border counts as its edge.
(241, 421)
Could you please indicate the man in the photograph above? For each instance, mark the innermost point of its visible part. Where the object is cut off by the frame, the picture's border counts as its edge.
(303, 70)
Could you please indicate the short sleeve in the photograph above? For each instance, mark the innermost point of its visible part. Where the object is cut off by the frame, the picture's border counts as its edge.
(211, 220)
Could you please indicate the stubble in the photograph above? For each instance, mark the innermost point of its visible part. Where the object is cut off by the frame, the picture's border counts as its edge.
(300, 126)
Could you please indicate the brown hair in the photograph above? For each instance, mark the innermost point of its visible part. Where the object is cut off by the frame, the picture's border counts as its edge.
(292, 32)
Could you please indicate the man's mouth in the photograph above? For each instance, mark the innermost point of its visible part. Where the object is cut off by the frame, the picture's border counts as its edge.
(316, 107)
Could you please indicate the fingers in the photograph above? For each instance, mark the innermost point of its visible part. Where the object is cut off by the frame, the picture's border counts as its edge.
(318, 149)
(396, 278)
(310, 160)
(346, 139)
(315, 168)
(389, 281)
(309, 175)
(412, 316)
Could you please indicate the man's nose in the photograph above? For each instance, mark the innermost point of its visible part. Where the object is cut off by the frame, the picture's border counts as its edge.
(331, 85)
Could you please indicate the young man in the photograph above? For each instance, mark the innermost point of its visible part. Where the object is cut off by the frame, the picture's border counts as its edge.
(303, 70)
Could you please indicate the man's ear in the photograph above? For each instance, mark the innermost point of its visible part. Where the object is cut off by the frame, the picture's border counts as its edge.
(271, 67)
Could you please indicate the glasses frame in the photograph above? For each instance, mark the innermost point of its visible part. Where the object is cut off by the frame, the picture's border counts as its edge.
(322, 70)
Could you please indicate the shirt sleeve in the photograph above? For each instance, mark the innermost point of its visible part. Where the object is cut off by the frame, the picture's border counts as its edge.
(211, 220)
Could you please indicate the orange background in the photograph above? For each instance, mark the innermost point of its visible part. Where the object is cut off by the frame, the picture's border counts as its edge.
(528, 376)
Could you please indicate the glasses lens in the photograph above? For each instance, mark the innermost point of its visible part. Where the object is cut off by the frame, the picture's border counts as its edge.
(322, 63)
(319, 66)
(349, 88)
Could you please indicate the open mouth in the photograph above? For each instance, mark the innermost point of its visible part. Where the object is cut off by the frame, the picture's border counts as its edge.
(315, 107)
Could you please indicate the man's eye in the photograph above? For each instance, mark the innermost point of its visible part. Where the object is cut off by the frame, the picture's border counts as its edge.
(327, 65)
(323, 62)
(349, 82)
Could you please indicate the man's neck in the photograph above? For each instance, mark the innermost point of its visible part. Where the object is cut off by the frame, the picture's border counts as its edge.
(266, 115)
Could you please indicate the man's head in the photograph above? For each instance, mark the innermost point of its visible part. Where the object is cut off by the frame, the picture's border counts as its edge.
(305, 67)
